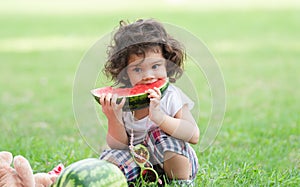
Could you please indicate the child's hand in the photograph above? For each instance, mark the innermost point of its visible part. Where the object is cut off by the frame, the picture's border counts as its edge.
(155, 114)
(110, 108)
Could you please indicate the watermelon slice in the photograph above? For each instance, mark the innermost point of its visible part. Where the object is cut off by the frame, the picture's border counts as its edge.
(136, 98)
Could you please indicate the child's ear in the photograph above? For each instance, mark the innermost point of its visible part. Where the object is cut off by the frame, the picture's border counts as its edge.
(123, 76)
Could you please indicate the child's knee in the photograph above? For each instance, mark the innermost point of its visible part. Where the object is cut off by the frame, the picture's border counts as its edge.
(175, 157)
(176, 166)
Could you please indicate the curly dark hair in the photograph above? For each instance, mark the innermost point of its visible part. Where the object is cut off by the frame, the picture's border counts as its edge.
(139, 37)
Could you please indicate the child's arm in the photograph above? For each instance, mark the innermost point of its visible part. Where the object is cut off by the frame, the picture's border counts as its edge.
(181, 126)
(116, 137)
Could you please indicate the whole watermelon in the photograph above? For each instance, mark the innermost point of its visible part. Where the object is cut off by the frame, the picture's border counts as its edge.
(91, 172)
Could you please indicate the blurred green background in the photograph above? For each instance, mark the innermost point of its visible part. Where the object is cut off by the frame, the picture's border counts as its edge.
(257, 45)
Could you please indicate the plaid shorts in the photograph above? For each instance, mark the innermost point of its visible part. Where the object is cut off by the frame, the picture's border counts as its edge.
(157, 143)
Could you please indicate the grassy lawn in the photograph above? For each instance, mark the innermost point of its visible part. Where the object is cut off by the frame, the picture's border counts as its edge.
(257, 49)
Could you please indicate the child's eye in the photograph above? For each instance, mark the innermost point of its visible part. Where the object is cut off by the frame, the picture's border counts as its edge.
(137, 70)
(155, 66)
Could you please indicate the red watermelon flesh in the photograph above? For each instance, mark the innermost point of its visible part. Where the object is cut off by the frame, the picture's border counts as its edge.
(136, 98)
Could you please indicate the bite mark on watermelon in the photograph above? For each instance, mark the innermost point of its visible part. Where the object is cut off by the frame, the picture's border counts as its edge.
(136, 98)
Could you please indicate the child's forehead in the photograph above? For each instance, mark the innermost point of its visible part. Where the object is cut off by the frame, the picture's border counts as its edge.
(144, 49)
(150, 57)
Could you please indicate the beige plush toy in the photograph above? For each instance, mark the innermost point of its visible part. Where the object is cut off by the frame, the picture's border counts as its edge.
(21, 174)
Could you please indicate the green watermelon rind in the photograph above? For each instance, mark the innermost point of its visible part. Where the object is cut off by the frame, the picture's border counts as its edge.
(141, 101)
(91, 172)
(138, 101)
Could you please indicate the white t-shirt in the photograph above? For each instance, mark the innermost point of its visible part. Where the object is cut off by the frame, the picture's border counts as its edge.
(171, 103)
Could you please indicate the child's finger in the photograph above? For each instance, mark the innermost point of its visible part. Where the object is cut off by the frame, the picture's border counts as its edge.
(153, 93)
(101, 99)
(114, 102)
(114, 99)
(157, 90)
(121, 104)
(108, 98)
(154, 102)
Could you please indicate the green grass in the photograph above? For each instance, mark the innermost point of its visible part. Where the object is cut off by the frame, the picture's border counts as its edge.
(257, 50)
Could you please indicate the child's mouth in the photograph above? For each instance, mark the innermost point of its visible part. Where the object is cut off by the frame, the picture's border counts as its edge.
(148, 82)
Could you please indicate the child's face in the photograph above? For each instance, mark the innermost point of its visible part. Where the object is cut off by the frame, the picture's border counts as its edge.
(148, 69)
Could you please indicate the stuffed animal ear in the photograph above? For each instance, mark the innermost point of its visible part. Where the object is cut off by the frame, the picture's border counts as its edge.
(24, 171)
(5, 159)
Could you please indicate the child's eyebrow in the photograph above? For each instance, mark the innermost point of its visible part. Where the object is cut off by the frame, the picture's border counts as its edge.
(155, 60)
(160, 60)
(134, 65)
(152, 61)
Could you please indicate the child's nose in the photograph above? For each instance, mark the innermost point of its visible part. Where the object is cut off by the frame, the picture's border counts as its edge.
(148, 75)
